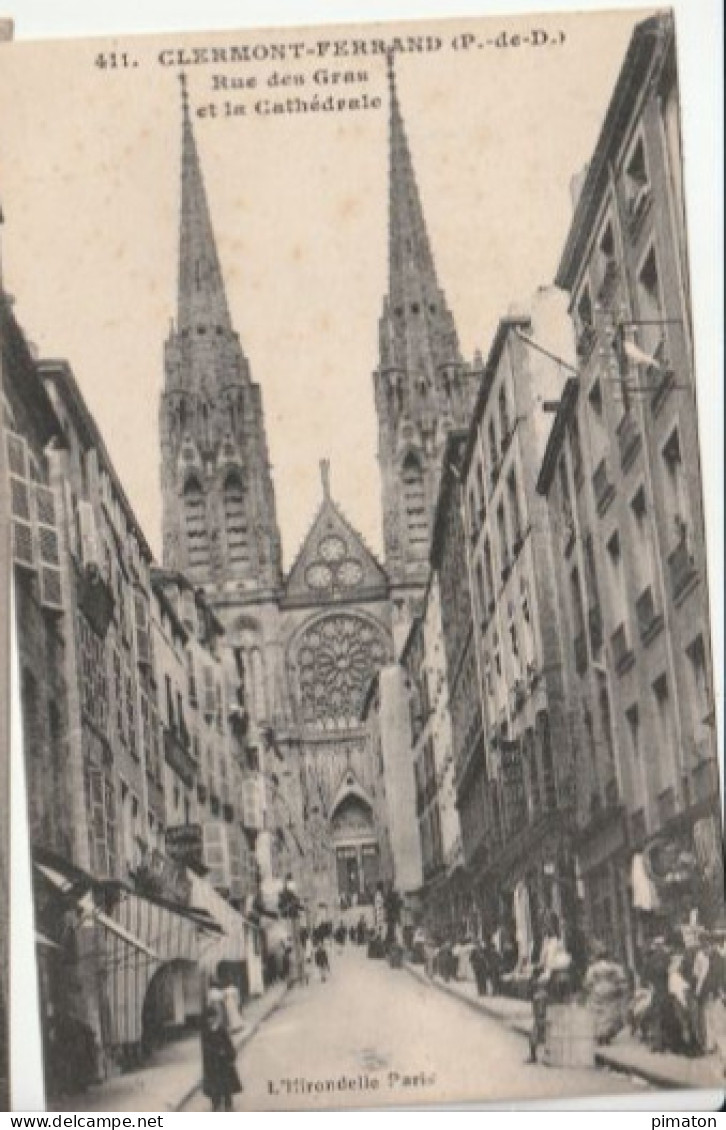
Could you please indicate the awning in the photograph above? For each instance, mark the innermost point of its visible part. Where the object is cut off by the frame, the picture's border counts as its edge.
(41, 940)
(120, 931)
(63, 882)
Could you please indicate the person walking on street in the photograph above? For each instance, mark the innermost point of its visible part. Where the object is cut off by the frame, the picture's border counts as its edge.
(479, 968)
(549, 979)
(321, 960)
(220, 1080)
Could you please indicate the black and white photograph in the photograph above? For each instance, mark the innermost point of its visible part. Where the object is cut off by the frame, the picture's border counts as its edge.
(353, 519)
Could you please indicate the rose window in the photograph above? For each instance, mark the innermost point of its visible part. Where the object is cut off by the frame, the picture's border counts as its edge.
(336, 661)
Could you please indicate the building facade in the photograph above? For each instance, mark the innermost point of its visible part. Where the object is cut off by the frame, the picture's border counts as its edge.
(424, 659)
(528, 867)
(622, 478)
(123, 952)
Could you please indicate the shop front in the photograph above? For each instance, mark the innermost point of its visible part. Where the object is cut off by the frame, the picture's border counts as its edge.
(677, 878)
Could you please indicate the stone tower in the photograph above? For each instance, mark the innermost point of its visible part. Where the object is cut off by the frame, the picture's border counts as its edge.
(423, 388)
(219, 521)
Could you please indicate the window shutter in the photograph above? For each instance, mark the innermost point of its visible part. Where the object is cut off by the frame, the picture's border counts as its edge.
(252, 808)
(143, 647)
(51, 591)
(89, 535)
(216, 854)
(237, 884)
(24, 554)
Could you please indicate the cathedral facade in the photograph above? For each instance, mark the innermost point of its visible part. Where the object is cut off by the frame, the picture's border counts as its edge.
(306, 644)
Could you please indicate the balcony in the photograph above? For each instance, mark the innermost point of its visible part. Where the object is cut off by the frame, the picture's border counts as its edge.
(178, 756)
(581, 653)
(623, 657)
(607, 291)
(659, 375)
(628, 439)
(594, 623)
(586, 342)
(681, 568)
(665, 380)
(603, 488)
(649, 619)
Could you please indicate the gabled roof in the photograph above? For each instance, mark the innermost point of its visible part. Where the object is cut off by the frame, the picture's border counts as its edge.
(333, 549)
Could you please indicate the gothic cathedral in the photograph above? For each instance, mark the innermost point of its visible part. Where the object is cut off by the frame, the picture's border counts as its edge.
(306, 644)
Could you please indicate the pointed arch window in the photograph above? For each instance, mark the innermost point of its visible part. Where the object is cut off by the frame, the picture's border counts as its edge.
(235, 521)
(414, 502)
(195, 521)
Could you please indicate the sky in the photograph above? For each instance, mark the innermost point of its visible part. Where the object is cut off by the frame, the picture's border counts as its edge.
(89, 182)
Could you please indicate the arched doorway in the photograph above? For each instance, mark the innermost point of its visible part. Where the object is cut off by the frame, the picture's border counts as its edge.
(172, 1002)
(355, 844)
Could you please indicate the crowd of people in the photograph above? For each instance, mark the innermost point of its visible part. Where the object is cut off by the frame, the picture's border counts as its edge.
(680, 1005)
(675, 1001)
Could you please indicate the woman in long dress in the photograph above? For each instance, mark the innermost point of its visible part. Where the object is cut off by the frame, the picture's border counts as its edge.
(220, 1079)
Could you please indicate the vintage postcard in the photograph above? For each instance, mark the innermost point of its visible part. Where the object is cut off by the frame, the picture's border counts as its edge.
(355, 522)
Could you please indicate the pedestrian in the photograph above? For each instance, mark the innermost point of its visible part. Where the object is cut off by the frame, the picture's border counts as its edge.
(697, 971)
(479, 967)
(230, 1000)
(214, 991)
(220, 1079)
(321, 961)
(607, 991)
(549, 980)
(308, 954)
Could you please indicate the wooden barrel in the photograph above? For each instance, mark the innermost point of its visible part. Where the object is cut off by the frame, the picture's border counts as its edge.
(570, 1036)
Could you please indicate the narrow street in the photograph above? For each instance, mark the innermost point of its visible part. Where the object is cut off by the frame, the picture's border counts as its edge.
(376, 1036)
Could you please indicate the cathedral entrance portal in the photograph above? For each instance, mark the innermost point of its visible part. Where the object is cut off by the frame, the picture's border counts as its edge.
(356, 851)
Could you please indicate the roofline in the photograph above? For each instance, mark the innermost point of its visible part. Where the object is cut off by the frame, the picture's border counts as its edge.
(505, 324)
(161, 576)
(565, 410)
(160, 594)
(346, 522)
(42, 407)
(633, 72)
(59, 371)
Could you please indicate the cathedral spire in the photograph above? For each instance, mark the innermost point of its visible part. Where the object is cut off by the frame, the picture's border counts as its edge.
(423, 332)
(202, 300)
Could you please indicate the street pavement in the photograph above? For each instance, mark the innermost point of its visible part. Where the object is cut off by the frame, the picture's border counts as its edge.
(374, 1036)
